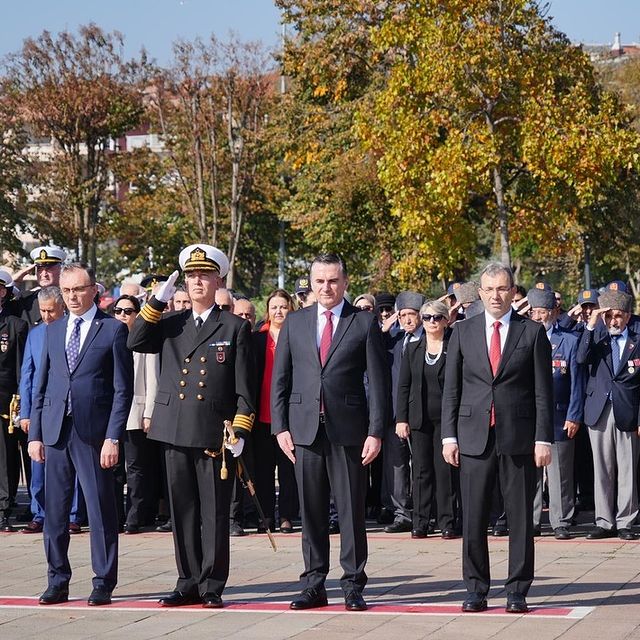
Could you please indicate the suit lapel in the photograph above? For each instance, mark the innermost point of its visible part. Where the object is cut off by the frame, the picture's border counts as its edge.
(192, 338)
(556, 342)
(312, 328)
(346, 318)
(96, 325)
(481, 343)
(627, 353)
(516, 327)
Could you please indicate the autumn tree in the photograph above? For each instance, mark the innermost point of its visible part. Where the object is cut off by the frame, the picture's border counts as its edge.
(490, 114)
(79, 92)
(211, 108)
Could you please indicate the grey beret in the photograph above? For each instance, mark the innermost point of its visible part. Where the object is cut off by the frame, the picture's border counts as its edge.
(616, 300)
(541, 298)
(467, 292)
(409, 300)
(474, 309)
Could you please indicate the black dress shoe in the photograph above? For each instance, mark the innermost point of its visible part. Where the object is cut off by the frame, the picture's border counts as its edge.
(626, 534)
(537, 532)
(334, 527)
(166, 527)
(500, 530)
(310, 599)
(353, 601)
(235, 530)
(599, 533)
(54, 595)
(5, 525)
(211, 601)
(386, 517)
(99, 597)
(562, 533)
(474, 603)
(131, 529)
(449, 534)
(399, 526)
(180, 599)
(74, 527)
(516, 603)
(419, 533)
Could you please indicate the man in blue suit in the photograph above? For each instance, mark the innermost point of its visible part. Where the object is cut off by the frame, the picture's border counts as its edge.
(568, 410)
(51, 307)
(612, 412)
(79, 413)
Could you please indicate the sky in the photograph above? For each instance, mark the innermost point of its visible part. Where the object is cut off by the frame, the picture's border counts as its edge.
(157, 23)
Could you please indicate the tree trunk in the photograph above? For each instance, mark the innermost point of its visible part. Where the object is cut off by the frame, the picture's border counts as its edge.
(503, 221)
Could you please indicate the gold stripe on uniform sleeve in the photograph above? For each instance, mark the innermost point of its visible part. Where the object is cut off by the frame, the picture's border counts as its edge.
(243, 422)
(149, 314)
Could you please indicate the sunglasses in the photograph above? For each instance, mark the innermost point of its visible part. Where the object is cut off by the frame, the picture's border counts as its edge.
(127, 312)
(385, 309)
(366, 307)
(225, 307)
(428, 317)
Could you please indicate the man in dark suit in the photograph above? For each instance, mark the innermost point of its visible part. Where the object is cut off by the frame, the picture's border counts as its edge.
(319, 415)
(568, 410)
(80, 409)
(497, 420)
(205, 379)
(612, 412)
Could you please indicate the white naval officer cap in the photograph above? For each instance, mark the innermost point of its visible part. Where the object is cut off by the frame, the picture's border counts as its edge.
(204, 257)
(47, 255)
(6, 279)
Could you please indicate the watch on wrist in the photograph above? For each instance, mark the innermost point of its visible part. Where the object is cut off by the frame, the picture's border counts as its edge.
(113, 441)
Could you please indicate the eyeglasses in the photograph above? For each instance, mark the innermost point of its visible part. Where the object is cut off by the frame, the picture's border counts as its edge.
(385, 309)
(501, 291)
(365, 307)
(119, 310)
(428, 317)
(75, 290)
(225, 307)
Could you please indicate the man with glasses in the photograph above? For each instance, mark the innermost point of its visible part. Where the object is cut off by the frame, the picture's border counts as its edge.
(497, 423)
(80, 409)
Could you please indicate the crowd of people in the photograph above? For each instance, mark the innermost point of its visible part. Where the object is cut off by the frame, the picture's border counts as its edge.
(458, 416)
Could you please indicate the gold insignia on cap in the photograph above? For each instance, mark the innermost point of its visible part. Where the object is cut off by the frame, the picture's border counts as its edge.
(539, 285)
(457, 285)
(613, 286)
(304, 282)
(43, 254)
(197, 255)
(586, 294)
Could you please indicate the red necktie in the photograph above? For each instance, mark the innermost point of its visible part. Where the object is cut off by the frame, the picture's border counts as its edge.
(327, 335)
(495, 351)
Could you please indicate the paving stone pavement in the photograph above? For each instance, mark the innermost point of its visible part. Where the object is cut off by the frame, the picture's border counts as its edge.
(583, 590)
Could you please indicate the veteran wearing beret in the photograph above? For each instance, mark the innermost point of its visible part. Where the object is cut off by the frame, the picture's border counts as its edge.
(568, 410)
(205, 379)
(612, 412)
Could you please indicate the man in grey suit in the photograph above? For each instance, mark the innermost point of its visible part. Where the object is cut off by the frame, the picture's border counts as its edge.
(497, 421)
(319, 415)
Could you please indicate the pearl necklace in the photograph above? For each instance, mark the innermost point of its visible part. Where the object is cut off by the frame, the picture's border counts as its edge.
(428, 359)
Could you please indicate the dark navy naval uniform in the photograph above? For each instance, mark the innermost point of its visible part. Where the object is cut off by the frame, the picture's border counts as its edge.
(205, 379)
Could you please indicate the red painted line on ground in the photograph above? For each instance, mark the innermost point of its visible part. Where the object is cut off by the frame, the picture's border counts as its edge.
(122, 604)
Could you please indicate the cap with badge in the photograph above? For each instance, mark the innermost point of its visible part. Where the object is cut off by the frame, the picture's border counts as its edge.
(541, 296)
(6, 279)
(451, 289)
(302, 285)
(617, 285)
(615, 299)
(204, 257)
(149, 282)
(466, 292)
(43, 256)
(588, 296)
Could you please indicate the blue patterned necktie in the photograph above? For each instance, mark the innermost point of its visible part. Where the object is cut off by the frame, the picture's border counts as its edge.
(615, 354)
(73, 346)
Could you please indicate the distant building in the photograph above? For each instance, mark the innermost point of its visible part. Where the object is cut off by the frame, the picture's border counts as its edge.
(615, 53)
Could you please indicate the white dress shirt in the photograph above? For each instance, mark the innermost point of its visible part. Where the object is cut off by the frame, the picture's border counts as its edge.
(87, 319)
(204, 315)
(322, 320)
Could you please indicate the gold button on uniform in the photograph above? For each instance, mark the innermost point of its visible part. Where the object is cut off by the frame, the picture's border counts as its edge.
(203, 372)
(187, 360)
(181, 396)
(185, 371)
(201, 384)
(203, 359)
(200, 397)
(183, 383)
